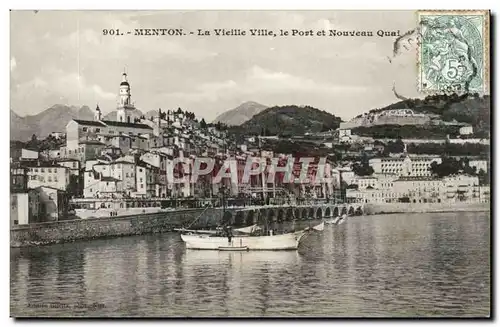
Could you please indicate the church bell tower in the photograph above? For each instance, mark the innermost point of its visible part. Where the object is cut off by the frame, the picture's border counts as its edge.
(125, 106)
(97, 114)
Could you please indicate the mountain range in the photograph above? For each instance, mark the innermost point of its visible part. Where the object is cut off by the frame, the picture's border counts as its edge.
(55, 119)
(254, 118)
(240, 114)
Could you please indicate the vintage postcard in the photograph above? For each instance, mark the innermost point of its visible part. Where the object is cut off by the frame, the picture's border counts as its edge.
(252, 164)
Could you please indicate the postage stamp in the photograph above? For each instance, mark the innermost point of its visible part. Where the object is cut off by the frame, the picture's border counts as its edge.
(454, 51)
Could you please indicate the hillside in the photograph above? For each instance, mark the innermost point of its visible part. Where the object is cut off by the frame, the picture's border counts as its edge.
(240, 114)
(290, 120)
(467, 109)
(53, 119)
(472, 109)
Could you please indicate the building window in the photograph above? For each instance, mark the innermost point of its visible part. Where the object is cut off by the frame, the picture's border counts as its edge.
(49, 170)
(74, 164)
(142, 185)
(42, 170)
(140, 170)
(84, 129)
(50, 179)
(97, 130)
(16, 222)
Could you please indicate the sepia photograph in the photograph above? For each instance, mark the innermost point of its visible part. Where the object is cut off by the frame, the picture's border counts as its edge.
(250, 164)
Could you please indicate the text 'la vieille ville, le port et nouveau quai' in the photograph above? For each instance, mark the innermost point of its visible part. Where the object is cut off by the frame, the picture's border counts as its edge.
(253, 32)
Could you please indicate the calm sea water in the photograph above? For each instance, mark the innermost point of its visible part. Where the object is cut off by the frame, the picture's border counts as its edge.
(371, 266)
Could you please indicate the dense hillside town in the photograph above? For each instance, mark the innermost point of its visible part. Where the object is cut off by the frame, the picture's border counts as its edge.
(132, 163)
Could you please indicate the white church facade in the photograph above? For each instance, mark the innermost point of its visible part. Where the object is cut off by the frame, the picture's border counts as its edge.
(80, 131)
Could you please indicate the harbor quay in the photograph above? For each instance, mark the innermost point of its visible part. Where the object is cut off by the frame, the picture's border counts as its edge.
(165, 221)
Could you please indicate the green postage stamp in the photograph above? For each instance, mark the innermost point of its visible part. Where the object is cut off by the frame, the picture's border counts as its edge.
(454, 51)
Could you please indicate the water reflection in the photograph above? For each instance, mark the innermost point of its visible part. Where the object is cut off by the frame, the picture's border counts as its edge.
(392, 265)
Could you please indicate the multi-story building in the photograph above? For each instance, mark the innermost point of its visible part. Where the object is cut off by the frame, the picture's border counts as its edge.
(124, 170)
(144, 182)
(484, 194)
(158, 160)
(73, 165)
(94, 171)
(109, 187)
(24, 207)
(364, 182)
(479, 164)
(104, 178)
(35, 205)
(346, 175)
(466, 130)
(461, 188)
(418, 166)
(24, 155)
(418, 189)
(18, 178)
(49, 175)
(58, 135)
(372, 195)
(422, 189)
(52, 204)
(86, 150)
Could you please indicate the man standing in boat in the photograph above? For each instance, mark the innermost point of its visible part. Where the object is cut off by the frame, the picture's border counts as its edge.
(229, 233)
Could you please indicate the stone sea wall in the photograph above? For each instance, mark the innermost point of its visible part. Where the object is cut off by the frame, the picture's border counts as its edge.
(381, 208)
(93, 228)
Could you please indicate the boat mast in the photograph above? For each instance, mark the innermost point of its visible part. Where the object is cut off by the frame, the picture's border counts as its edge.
(223, 203)
(223, 188)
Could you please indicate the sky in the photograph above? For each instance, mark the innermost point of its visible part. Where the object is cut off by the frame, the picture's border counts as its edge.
(62, 57)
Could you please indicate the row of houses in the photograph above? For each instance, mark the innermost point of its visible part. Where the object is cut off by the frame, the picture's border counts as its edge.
(450, 189)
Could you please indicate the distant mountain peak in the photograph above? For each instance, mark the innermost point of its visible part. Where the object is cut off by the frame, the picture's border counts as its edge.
(52, 119)
(241, 113)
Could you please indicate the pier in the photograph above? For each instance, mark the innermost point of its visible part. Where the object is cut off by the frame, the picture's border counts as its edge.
(278, 214)
(165, 221)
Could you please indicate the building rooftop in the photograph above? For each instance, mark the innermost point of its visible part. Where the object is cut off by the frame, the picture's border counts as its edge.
(91, 142)
(109, 179)
(40, 164)
(101, 164)
(123, 161)
(89, 122)
(123, 124)
(67, 159)
(50, 187)
(417, 178)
